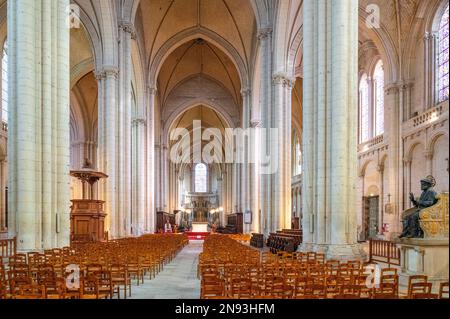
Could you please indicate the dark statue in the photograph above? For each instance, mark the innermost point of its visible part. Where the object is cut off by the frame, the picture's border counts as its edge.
(411, 217)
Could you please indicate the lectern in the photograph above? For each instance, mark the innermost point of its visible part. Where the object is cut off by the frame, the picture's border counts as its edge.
(87, 218)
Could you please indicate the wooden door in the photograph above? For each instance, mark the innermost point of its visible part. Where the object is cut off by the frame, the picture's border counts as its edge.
(371, 217)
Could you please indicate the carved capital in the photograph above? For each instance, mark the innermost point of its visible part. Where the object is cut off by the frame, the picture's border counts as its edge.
(428, 155)
(256, 123)
(264, 33)
(99, 75)
(152, 90)
(138, 121)
(392, 89)
(407, 161)
(282, 79)
(128, 27)
(246, 92)
(380, 168)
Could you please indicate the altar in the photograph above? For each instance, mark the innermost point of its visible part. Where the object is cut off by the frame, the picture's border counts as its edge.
(200, 227)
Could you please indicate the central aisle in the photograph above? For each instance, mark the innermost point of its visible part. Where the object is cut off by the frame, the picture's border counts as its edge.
(178, 280)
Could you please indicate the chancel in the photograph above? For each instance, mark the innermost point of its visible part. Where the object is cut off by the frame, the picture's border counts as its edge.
(224, 149)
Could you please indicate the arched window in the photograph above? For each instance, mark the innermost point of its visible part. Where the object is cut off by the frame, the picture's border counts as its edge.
(201, 178)
(443, 58)
(5, 83)
(378, 77)
(364, 110)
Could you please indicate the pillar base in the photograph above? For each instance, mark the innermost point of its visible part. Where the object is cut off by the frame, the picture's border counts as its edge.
(337, 252)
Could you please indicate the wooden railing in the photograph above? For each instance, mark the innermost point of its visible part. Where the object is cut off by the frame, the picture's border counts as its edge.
(8, 247)
(384, 251)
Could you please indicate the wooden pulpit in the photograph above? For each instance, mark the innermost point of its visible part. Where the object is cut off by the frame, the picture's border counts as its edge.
(87, 218)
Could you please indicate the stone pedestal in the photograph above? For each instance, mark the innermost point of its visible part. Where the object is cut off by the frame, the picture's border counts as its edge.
(424, 257)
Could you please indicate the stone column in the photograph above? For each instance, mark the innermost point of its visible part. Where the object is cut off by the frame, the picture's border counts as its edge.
(372, 102)
(265, 39)
(429, 162)
(430, 46)
(393, 105)
(157, 173)
(220, 201)
(151, 160)
(282, 179)
(108, 147)
(3, 179)
(255, 184)
(39, 136)
(330, 127)
(407, 180)
(164, 178)
(139, 177)
(245, 167)
(380, 169)
(123, 157)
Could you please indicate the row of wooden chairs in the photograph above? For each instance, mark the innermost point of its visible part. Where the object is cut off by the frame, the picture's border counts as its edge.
(229, 269)
(89, 271)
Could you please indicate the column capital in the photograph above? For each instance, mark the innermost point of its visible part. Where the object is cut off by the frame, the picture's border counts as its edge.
(392, 88)
(430, 35)
(406, 85)
(428, 155)
(407, 160)
(380, 168)
(264, 33)
(256, 123)
(282, 79)
(128, 27)
(106, 71)
(246, 92)
(138, 121)
(152, 90)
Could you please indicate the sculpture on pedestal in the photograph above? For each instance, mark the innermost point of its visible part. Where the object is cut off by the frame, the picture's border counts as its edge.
(411, 217)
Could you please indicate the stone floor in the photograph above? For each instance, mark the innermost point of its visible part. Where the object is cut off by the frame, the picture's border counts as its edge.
(178, 280)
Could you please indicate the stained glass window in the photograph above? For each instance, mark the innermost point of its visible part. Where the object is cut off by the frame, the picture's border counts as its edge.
(378, 77)
(5, 83)
(364, 109)
(443, 58)
(201, 174)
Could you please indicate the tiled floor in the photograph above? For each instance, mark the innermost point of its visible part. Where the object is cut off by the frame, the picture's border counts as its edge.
(178, 280)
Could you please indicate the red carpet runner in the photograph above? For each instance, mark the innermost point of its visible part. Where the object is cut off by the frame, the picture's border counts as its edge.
(197, 236)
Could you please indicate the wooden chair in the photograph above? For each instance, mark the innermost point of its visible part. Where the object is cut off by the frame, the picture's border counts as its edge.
(443, 290)
(350, 290)
(30, 292)
(120, 278)
(425, 296)
(3, 290)
(105, 284)
(90, 288)
(55, 289)
(314, 291)
(212, 290)
(18, 278)
(134, 269)
(420, 288)
(390, 282)
(415, 279)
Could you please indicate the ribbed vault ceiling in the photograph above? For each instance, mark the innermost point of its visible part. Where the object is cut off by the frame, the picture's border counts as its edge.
(233, 20)
(198, 57)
